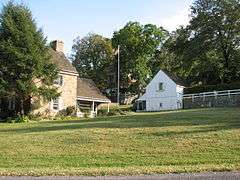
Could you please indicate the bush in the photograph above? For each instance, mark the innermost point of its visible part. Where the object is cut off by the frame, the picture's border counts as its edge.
(19, 119)
(114, 111)
(209, 88)
(71, 111)
(61, 113)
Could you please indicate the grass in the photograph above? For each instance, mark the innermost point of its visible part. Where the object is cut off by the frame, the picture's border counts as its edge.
(145, 143)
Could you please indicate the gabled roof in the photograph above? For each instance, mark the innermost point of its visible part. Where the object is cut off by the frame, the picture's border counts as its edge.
(176, 79)
(61, 61)
(86, 88)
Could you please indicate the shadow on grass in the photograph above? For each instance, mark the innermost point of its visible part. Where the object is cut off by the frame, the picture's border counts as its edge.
(213, 119)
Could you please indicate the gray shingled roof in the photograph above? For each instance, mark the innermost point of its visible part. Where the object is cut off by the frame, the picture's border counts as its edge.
(177, 80)
(61, 61)
(87, 88)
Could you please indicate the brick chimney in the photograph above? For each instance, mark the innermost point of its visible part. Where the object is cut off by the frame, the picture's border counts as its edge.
(58, 46)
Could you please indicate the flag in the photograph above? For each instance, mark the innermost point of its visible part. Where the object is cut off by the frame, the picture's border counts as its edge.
(117, 51)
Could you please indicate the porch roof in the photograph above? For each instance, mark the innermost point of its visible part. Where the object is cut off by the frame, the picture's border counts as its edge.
(87, 91)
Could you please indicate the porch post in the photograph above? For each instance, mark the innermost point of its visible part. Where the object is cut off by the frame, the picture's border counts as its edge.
(108, 108)
(93, 106)
(96, 110)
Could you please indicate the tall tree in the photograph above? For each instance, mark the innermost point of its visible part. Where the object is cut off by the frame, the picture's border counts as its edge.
(26, 70)
(138, 44)
(215, 30)
(92, 56)
(207, 51)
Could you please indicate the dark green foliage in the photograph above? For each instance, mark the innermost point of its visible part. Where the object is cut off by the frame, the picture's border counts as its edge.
(210, 88)
(18, 119)
(138, 43)
(25, 66)
(92, 56)
(207, 51)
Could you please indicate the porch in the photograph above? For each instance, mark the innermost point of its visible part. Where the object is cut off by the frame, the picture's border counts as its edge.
(88, 106)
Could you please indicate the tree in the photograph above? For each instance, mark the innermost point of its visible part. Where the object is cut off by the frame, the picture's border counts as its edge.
(215, 29)
(26, 70)
(183, 57)
(138, 44)
(92, 56)
(207, 51)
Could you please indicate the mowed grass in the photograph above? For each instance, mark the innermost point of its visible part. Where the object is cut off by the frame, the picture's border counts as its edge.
(146, 143)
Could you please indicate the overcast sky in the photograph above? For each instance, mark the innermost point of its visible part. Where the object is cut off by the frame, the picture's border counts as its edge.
(66, 19)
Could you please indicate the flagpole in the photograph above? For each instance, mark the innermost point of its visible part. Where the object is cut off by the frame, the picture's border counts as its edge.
(118, 84)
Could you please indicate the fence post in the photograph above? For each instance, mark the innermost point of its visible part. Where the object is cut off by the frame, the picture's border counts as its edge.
(215, 94)
(229, 94)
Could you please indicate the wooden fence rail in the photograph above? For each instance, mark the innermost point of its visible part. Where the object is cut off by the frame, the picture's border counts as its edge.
(212, 94)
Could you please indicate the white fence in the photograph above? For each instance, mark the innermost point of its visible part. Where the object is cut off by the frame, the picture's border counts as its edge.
(215, 94)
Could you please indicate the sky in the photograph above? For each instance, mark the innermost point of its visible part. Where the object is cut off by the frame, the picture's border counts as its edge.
(68, 19)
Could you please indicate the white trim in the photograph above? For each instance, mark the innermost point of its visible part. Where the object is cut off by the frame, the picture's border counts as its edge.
(68, 73)
(213, 93)
(92, 99)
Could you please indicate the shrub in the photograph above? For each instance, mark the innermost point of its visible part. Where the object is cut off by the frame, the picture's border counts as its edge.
(61, 113)
(19, 119)
(113, 112)
(71, 111)
(209, 88)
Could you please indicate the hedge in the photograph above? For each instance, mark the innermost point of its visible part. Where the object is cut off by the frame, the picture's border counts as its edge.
(210, 88)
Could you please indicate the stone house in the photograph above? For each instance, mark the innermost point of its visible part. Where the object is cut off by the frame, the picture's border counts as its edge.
(74, 90)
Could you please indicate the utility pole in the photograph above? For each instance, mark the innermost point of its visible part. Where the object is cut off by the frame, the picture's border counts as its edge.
(118, 89)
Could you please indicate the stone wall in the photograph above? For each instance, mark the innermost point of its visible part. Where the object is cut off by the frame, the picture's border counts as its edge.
(212, 101)
(67, 98)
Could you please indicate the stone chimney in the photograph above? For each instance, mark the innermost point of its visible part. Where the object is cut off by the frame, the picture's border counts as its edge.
(58, 46)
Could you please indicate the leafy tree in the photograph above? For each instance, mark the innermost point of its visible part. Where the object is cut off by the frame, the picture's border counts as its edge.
(138, 44)
(215, 30)
(183, 57)
(206, 51)
(25, 66)
(92, 56)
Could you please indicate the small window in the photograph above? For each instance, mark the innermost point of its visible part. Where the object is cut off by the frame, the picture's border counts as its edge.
(160, 105)
(58, 81)
(56, 104)
(11, 103)
(141, 105)
(160, 86)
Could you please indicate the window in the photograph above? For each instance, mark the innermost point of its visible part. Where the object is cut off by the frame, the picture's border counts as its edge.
(56, 104)
(141, 105)
(58, 81)
(160, 86)
(160, 105)
(11, 103)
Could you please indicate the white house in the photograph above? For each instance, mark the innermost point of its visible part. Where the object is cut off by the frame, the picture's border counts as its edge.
(164, 92)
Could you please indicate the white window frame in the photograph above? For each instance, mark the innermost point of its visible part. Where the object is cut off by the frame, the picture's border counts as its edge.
(56, 104)
(160, 90)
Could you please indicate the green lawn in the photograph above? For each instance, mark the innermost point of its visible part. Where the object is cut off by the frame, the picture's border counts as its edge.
(146, 143)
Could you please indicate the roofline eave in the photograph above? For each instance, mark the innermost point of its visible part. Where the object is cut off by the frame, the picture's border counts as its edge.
(93, 99)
